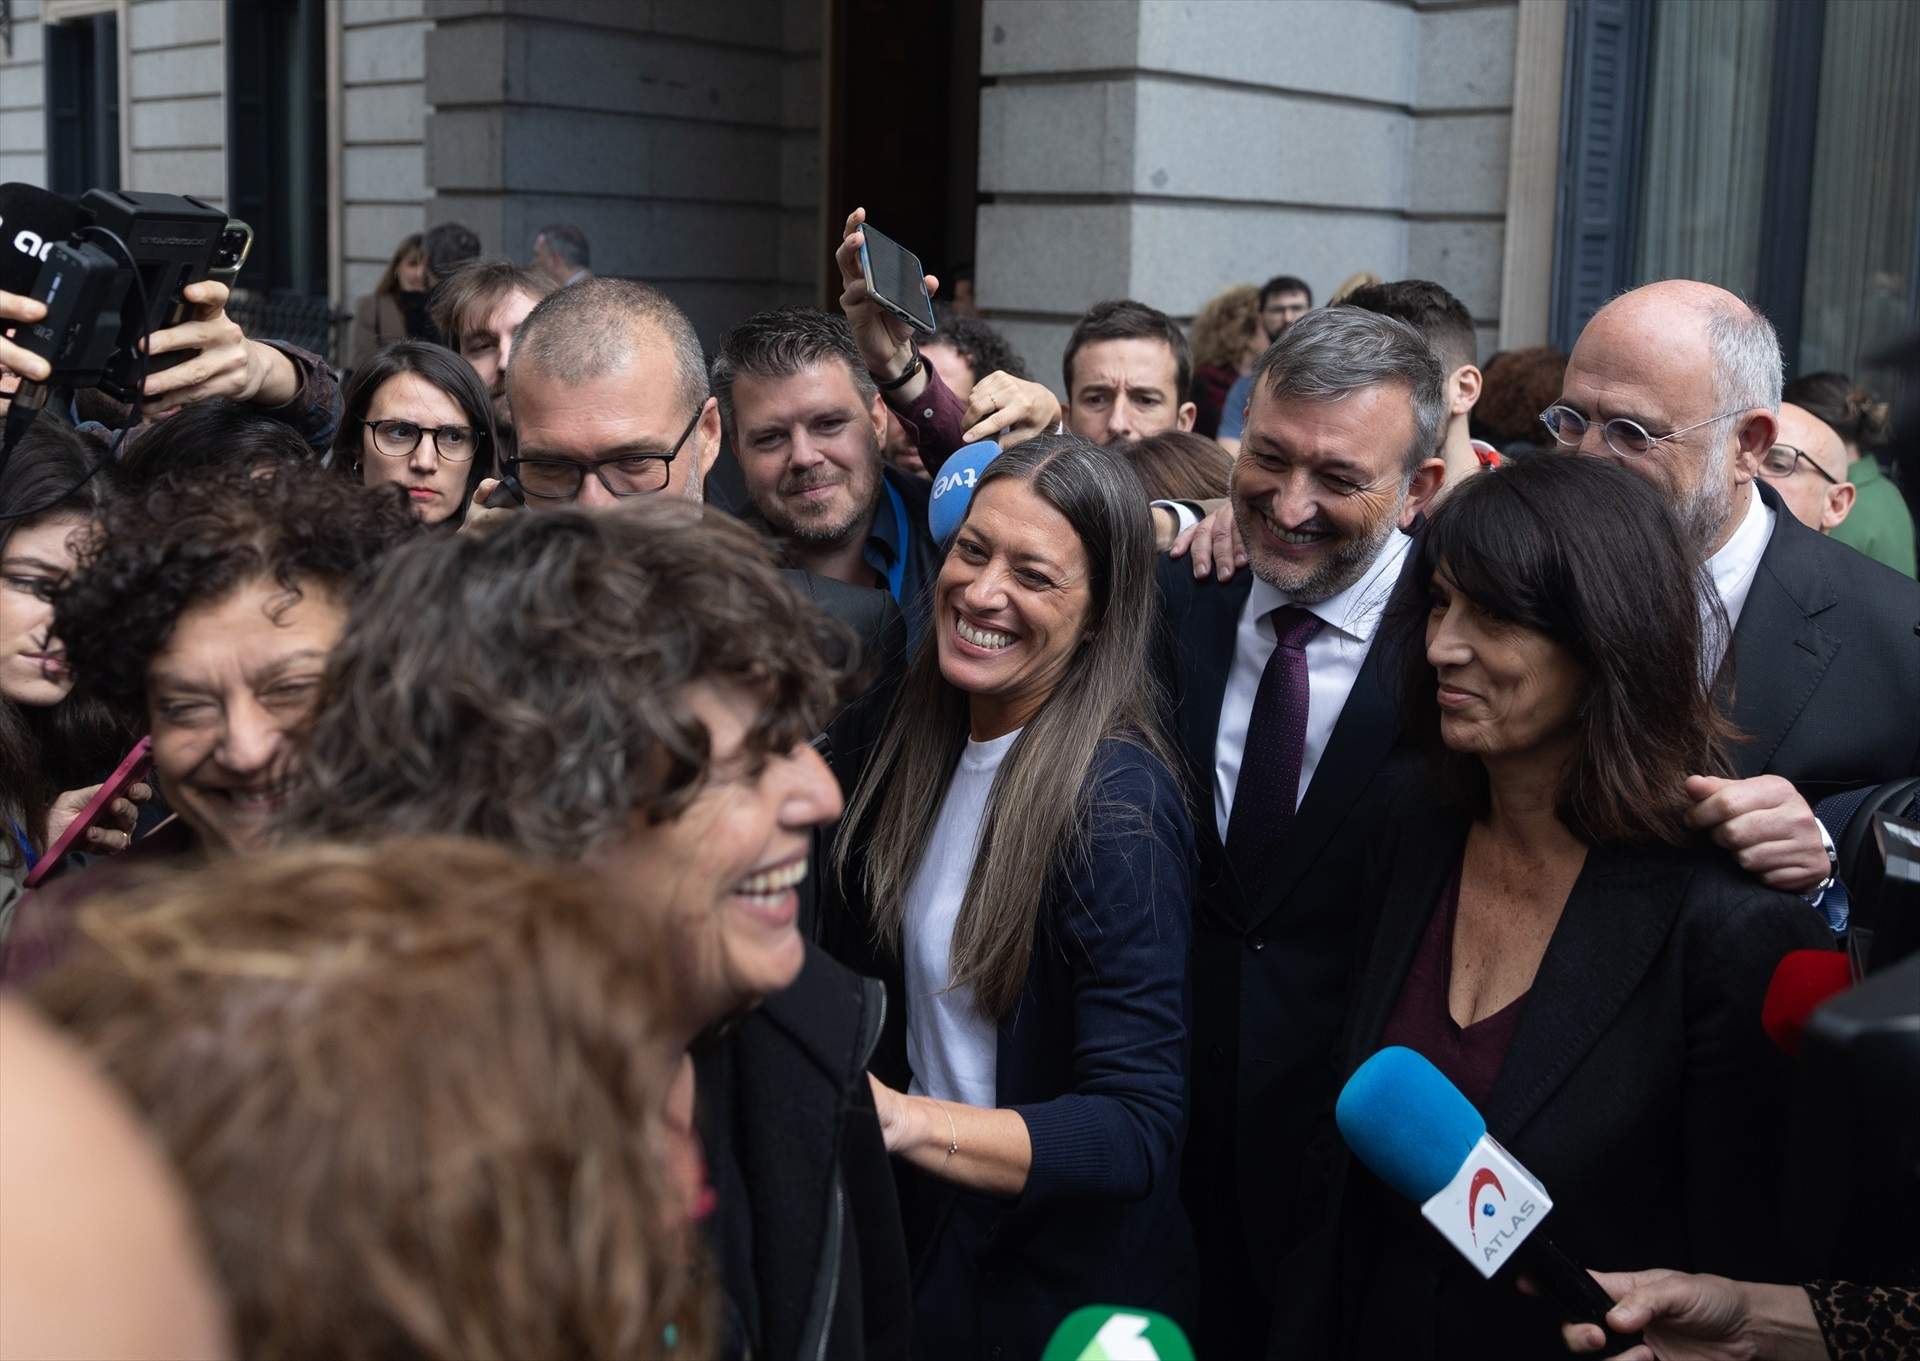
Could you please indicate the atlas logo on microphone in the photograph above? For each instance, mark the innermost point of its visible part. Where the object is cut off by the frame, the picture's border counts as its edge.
(1487, 1208)
(1495, 1200)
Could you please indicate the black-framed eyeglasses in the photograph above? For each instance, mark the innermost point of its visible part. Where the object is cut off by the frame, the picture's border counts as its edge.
(560, 479)
(1781, 461)
(398, 439)
(1629, 439)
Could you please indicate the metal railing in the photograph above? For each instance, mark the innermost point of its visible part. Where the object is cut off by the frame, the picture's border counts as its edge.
(312, 323)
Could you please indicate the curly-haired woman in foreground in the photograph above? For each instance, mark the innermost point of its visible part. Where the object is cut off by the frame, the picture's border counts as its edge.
(204, 608)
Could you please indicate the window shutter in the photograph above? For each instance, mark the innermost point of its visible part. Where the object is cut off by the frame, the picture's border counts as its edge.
(1607, 49)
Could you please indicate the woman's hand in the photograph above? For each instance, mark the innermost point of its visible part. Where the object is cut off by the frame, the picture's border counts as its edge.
(114, 832)
(1009, 410)
(895, 1110)
(1684, 1317)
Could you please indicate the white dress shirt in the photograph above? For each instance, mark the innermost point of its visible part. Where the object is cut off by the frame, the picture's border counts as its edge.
(1738, 562)
(1334, 656)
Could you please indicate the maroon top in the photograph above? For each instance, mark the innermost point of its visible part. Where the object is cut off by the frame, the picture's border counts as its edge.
(935, 421)
(1422, 1021)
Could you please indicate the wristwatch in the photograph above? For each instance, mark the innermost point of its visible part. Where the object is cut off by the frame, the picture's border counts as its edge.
(893, 384)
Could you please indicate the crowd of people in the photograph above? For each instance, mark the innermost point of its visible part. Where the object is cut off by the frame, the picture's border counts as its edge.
(833, 849)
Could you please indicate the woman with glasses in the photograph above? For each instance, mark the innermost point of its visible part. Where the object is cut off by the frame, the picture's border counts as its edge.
(417, 417)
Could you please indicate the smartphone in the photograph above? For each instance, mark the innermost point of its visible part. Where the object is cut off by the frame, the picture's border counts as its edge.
(129, 772)
(230, 255)
(895, 279)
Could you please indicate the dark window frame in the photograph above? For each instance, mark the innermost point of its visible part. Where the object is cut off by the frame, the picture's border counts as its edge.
(1598, 215)
(82, 65)
(277, 172)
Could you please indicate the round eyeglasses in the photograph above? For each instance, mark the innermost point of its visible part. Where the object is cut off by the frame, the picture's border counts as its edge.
(398, 439)
(1630, 439)
(560, 479)
(1782, 460)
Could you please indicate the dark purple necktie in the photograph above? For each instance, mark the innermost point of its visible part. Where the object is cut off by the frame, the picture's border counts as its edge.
(1269, 786)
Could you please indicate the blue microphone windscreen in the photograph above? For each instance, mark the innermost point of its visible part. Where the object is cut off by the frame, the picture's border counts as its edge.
(1409, 1124)
(953, 488)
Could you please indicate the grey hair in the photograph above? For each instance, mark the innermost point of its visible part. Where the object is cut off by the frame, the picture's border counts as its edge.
(595, 326)
(1333, 351)
(1747, 367)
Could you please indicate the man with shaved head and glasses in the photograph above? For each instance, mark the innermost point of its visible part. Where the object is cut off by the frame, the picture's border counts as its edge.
(1680, 381)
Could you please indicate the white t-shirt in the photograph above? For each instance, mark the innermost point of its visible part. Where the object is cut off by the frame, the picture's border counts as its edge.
(950, 1044)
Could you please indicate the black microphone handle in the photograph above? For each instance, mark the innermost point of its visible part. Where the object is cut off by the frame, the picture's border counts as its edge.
(1569, 1285)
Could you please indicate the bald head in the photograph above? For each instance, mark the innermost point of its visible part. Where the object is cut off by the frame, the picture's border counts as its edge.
(602, 325)
(1808, 467)
(1697, 369)
(607, 370)
(1696, 323)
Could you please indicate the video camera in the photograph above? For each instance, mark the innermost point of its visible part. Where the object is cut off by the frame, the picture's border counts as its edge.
(110, 269)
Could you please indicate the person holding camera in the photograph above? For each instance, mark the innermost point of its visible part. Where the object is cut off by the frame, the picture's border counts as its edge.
(292, 384)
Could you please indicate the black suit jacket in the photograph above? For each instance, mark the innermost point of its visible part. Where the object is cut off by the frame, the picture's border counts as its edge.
(1639, 1089)
(1826, 665)
(1271, 964)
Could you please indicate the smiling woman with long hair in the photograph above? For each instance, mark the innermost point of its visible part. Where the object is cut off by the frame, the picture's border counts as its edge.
(1032, 917)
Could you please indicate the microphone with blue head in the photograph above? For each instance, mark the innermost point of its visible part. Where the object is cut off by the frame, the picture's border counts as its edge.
(1414, 1130)
(953, 487)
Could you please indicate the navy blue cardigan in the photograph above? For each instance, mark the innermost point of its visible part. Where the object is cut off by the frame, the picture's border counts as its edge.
(1094, 1059)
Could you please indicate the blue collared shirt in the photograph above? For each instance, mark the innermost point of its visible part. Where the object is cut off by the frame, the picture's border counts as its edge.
(888, 552)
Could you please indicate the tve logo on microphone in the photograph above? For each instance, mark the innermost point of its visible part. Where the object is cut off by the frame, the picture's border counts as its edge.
(1101, 1332)
(1489, 1207)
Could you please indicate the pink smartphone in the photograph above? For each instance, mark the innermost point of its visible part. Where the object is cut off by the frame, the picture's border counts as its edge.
(135, 764)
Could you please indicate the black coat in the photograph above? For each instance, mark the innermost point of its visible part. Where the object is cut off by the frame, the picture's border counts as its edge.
(1271, 965)
(1640, 1090)
(1826, 665)
(1093, 1057)
(806, 1230)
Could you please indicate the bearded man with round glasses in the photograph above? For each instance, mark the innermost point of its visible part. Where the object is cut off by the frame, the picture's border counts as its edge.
(1680, 381)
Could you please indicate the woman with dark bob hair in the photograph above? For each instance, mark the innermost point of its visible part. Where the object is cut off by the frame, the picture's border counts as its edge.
(1017, 861)
(1584, 967)
(417, 417)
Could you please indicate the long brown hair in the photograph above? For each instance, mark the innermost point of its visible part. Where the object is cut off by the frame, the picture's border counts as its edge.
(1178, 465)
(1040, 807)
(390, 277)
(416, 1092)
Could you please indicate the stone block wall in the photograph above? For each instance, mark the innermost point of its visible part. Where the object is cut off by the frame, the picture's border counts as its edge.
(681, 137)
(1167, 149)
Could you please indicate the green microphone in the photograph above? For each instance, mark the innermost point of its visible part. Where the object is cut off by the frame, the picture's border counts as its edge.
(1104, 1332)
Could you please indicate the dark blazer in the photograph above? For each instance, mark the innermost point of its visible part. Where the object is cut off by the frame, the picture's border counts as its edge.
(1639, 1089)
(806, 1229)
(1093, 1057)
(1271, 964)
(1826, 665)
(880, 644)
